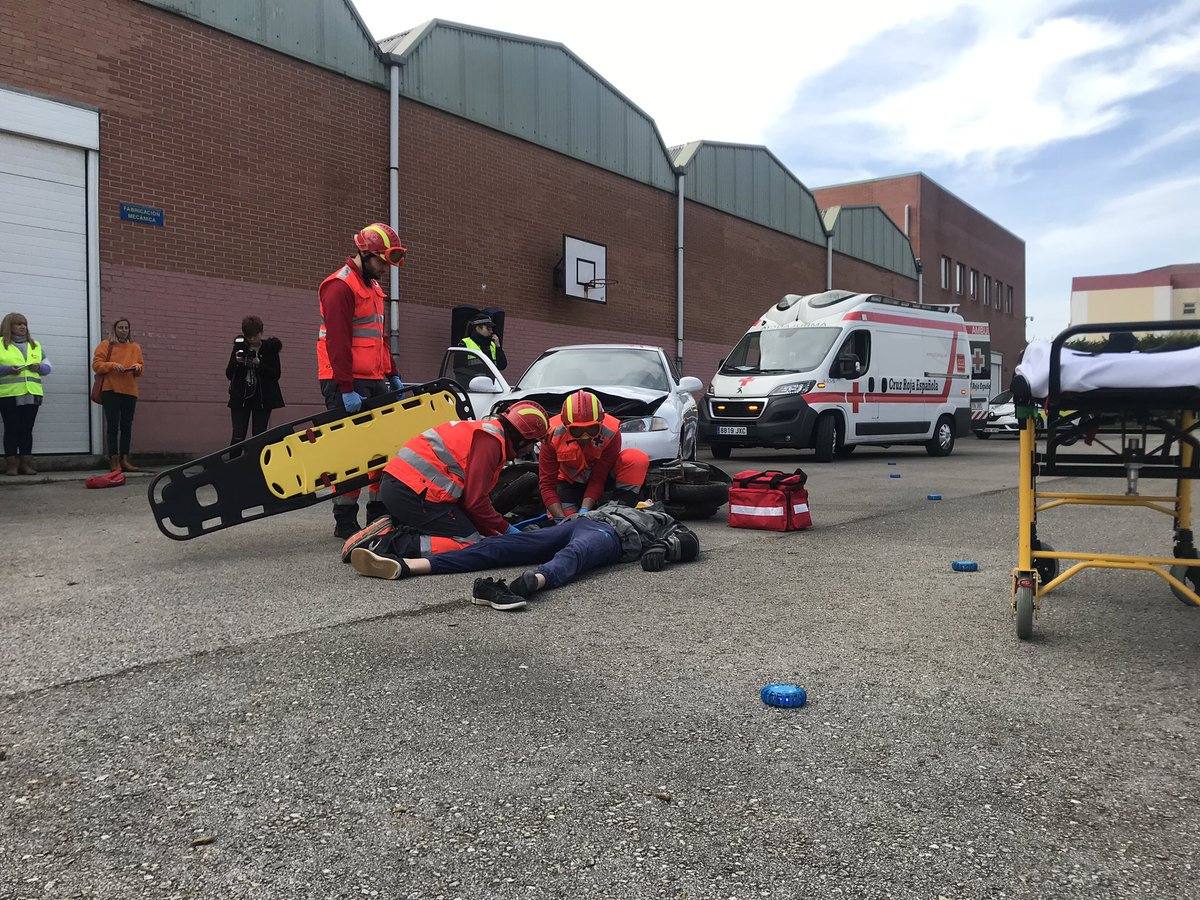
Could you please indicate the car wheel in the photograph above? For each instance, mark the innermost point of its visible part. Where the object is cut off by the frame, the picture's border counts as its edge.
(942, 442)
(695, 501)
(845, 450)
(827, 437)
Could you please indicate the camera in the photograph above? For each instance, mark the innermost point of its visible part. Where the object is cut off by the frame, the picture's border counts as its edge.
(243, 352)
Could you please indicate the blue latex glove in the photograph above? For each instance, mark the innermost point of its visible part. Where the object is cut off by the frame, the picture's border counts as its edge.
(583, 512)
(396, 383)
(352, 401)
(513, 529)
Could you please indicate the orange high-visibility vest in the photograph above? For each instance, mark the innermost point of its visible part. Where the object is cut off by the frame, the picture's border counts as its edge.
(435, 461)
(368, 345)
(575, 461)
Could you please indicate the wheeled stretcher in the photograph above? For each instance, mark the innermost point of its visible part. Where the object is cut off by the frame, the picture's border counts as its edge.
(1122, 415)
(299, 464)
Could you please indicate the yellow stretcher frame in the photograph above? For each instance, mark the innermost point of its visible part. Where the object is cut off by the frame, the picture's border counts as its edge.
(1028, 588)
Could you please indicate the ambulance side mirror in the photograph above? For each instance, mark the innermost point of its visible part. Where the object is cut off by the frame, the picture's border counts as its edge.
(845, 366)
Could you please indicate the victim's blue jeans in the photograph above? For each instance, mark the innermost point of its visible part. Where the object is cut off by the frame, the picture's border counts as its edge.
(565, 551)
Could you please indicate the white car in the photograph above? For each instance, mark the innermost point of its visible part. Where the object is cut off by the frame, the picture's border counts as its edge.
(637, 384)
(1002, 418)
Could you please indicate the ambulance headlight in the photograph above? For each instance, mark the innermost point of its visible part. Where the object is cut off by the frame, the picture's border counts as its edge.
(639, 426)
(710, 390)
(795, 387)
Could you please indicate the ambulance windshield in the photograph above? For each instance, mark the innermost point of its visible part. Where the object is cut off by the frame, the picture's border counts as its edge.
(780, 351)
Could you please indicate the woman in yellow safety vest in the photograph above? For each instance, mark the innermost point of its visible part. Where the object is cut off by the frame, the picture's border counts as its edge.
(22, 367)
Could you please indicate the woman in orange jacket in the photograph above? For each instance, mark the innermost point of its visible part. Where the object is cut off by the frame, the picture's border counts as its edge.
(118, 360)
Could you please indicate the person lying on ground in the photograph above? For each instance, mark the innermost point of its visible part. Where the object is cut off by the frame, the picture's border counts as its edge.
(561, 553)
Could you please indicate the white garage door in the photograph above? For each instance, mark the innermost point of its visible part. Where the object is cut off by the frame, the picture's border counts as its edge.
(44, 274)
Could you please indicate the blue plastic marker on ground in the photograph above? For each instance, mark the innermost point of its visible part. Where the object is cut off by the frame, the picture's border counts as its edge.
(934, 497)
(893, 474)
(965, 565)
(786, 695)
(893, 464)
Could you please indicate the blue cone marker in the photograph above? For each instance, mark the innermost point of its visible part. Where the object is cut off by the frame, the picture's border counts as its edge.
(934, 497)
(965, 565)
(785, 695)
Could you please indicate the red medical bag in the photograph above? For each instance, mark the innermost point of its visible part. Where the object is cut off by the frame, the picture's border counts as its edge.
(771, 500)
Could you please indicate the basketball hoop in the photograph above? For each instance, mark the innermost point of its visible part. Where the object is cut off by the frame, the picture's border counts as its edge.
(596, 284)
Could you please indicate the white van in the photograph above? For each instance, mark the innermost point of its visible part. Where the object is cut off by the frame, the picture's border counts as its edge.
(838, 369)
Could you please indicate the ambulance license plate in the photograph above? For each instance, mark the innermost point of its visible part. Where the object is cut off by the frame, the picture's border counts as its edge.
(731, 429)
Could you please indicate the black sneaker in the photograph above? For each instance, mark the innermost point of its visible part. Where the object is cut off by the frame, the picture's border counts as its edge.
(375, 566)
(364, 537)
(375, 509)
(524, 585)
(494, 592)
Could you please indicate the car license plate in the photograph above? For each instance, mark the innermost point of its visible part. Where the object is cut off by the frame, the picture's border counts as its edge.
(731, 429)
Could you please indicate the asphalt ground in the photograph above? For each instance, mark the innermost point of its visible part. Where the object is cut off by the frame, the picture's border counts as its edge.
(241, 716)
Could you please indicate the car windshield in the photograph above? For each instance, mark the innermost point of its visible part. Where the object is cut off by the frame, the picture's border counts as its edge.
(596, 366)
(778, 351)
(1001, 398)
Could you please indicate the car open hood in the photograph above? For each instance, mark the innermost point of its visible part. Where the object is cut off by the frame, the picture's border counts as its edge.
(620, 401)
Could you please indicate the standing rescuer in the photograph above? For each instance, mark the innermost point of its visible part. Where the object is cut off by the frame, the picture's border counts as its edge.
(582, 458)
(353, 360)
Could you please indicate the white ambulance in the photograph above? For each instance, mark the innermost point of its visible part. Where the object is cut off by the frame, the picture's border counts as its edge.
(838, 369)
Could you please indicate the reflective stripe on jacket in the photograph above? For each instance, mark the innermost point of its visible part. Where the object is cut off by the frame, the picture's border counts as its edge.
(369, 353)
(435, 461)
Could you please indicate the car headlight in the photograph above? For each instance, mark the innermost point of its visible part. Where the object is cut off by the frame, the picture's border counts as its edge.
(795, 387)
(650, 423)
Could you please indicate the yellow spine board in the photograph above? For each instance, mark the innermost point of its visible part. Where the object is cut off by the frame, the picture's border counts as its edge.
(308, 461)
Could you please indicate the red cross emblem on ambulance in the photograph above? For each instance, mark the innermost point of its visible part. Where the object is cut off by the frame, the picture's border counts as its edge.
(742, 382)
(976, 361)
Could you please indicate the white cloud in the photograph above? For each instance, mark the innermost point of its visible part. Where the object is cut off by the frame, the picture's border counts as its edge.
(1027, 81)
(1161, 141)
(1153, 226)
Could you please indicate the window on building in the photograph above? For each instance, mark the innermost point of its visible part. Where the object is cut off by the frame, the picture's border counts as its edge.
(960, 272)
(1008, 301)
(1189, 309)
(945, 271)
(974, 284)
(987, 291)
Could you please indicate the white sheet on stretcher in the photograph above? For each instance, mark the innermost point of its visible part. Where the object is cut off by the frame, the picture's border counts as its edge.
(1083, 372)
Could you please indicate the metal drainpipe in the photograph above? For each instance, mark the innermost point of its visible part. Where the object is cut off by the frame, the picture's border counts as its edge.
(679, 274)
(394, 210)
(829, 262)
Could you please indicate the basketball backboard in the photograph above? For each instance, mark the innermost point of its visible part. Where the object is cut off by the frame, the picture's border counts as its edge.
(584, 269)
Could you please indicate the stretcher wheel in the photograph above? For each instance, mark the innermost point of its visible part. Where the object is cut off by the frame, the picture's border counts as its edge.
(1188, 575)
(1024, 608)
(1047, 569)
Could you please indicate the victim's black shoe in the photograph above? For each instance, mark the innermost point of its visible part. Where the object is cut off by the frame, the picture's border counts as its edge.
(524, 585)
(494, 592)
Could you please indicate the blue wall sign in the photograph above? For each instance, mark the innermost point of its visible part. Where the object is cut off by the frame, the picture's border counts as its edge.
(146, 215)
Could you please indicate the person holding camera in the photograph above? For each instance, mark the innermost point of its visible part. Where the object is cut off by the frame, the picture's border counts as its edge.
(253, 372)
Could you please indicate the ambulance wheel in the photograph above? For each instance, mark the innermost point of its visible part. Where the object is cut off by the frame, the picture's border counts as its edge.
(721, 451)
(845, 450)
(827, 438)
(1024, 608)
(942, 442)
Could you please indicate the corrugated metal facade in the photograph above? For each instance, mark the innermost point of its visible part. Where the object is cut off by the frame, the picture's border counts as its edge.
(534, 90)
(751, 183)
(327, 33)
(866, 233)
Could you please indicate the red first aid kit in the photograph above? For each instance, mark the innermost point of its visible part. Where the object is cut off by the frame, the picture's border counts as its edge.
(771, 500)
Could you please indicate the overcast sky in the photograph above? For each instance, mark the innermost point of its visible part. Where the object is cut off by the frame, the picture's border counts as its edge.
(1075, 125)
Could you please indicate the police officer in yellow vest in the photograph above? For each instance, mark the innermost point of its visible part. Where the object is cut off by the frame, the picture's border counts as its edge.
(22, 366)
(482, 337)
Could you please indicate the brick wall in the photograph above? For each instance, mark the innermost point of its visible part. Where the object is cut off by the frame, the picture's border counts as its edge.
(852, 274)
(941, 224)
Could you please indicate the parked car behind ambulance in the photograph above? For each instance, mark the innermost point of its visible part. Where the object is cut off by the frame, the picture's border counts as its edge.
(838, 369)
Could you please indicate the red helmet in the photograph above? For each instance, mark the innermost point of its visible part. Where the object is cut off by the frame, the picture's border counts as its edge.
(380, 240)
(582, 408)
(529, 419)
